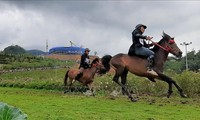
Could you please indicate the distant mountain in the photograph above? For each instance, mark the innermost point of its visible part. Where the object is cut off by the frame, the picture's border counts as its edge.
(14, 50)
(36, 52)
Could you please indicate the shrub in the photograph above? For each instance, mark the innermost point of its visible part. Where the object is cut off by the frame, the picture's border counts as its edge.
(190, 82)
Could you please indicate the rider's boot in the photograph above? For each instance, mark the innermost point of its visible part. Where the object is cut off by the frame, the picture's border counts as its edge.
(150, 65)
(78, 76)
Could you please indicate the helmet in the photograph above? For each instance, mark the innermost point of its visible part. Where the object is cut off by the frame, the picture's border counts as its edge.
(140, 25)
(87, 49)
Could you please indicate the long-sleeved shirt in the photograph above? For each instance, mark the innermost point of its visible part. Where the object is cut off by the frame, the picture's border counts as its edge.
(85, 61)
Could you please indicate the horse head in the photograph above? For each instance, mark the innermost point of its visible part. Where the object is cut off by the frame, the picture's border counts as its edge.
(171, 46)
(97, 63)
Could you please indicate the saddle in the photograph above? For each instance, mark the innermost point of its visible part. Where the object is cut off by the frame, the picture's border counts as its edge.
(132, 53)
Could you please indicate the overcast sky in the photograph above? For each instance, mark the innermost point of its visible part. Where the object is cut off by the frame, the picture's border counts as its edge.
(103, 26)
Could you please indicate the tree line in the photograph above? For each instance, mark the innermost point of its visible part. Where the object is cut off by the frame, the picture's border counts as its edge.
(193, 60)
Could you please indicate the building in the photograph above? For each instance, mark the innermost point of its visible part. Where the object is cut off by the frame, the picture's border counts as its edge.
(67, 53)
(67, 50)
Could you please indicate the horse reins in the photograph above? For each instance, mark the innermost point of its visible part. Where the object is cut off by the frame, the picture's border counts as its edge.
(168, 48)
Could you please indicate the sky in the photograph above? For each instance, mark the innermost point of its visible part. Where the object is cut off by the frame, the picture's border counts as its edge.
(102, 26)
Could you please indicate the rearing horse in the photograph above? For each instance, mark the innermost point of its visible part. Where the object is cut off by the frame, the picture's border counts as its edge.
(122, 63)
(87, 77)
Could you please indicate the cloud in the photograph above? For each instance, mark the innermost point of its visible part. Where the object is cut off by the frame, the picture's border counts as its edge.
(103, 26)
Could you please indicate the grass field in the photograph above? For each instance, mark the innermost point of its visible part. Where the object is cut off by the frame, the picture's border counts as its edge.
(54, 105)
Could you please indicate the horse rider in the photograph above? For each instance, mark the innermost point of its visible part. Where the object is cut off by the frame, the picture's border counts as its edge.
(141, 48)
(85, 63)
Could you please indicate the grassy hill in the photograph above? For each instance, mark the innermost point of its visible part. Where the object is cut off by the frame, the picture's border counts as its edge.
(18, 50)
(36, 52)
(10, 61)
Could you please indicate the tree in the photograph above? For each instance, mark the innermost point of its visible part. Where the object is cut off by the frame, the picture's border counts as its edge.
(180, 65)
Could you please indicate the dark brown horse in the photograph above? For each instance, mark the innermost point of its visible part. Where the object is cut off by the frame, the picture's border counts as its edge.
(122, 63)
(87, 77)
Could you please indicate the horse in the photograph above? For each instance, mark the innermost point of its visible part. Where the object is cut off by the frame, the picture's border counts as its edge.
(87, 78)
(123, 63)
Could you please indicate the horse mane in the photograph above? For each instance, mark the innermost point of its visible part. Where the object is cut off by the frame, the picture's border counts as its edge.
(165, 38)
(95, 61)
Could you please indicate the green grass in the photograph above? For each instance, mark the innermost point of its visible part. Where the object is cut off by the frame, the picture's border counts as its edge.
(38, 79)
(54, 105)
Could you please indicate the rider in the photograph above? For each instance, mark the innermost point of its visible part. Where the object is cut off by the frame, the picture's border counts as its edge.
(140, 47)
(85, 63)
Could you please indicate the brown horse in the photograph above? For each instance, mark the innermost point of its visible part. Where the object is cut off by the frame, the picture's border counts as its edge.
(122, 63)
(87, 77)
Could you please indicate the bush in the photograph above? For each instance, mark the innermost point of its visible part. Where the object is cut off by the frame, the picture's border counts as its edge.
(190, 82)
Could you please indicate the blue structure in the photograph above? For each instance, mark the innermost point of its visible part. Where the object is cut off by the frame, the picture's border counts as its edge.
(67, 50)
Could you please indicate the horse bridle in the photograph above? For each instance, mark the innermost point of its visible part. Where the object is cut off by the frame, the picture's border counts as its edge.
(167, 48)
(96, 64)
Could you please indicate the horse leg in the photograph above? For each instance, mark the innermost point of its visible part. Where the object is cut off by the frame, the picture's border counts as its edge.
(151, 79)
(170, 82)
(124, 88)
(118, 73)
(65, 81)
(71, 82)
(123, 80)
(90, 86)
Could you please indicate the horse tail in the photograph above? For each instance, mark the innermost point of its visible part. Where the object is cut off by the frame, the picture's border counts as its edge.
(65, 79)
(106, 63)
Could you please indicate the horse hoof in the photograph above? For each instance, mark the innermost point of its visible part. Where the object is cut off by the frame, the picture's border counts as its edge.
(123, 93)
(133, 100)
(183, 95)
(168, 96)
(65, 92)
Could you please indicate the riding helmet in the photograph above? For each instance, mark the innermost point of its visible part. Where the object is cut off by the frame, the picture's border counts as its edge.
(87, 49)
(140, 25)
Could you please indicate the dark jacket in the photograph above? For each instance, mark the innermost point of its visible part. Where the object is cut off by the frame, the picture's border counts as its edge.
(138, 41)
(85, 62)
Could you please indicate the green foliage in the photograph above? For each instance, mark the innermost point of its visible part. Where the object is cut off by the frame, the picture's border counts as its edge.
(179, 65)
(8, 112)
(190, 82)
(175, 65)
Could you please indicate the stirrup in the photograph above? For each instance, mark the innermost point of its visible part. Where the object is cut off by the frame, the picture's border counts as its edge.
(152, 72)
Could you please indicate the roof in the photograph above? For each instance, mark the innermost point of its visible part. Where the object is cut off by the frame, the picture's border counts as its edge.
(67, 50)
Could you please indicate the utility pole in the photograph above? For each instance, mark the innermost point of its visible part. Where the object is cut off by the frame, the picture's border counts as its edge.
(186, 61)
(47, 46)
(72, 44)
